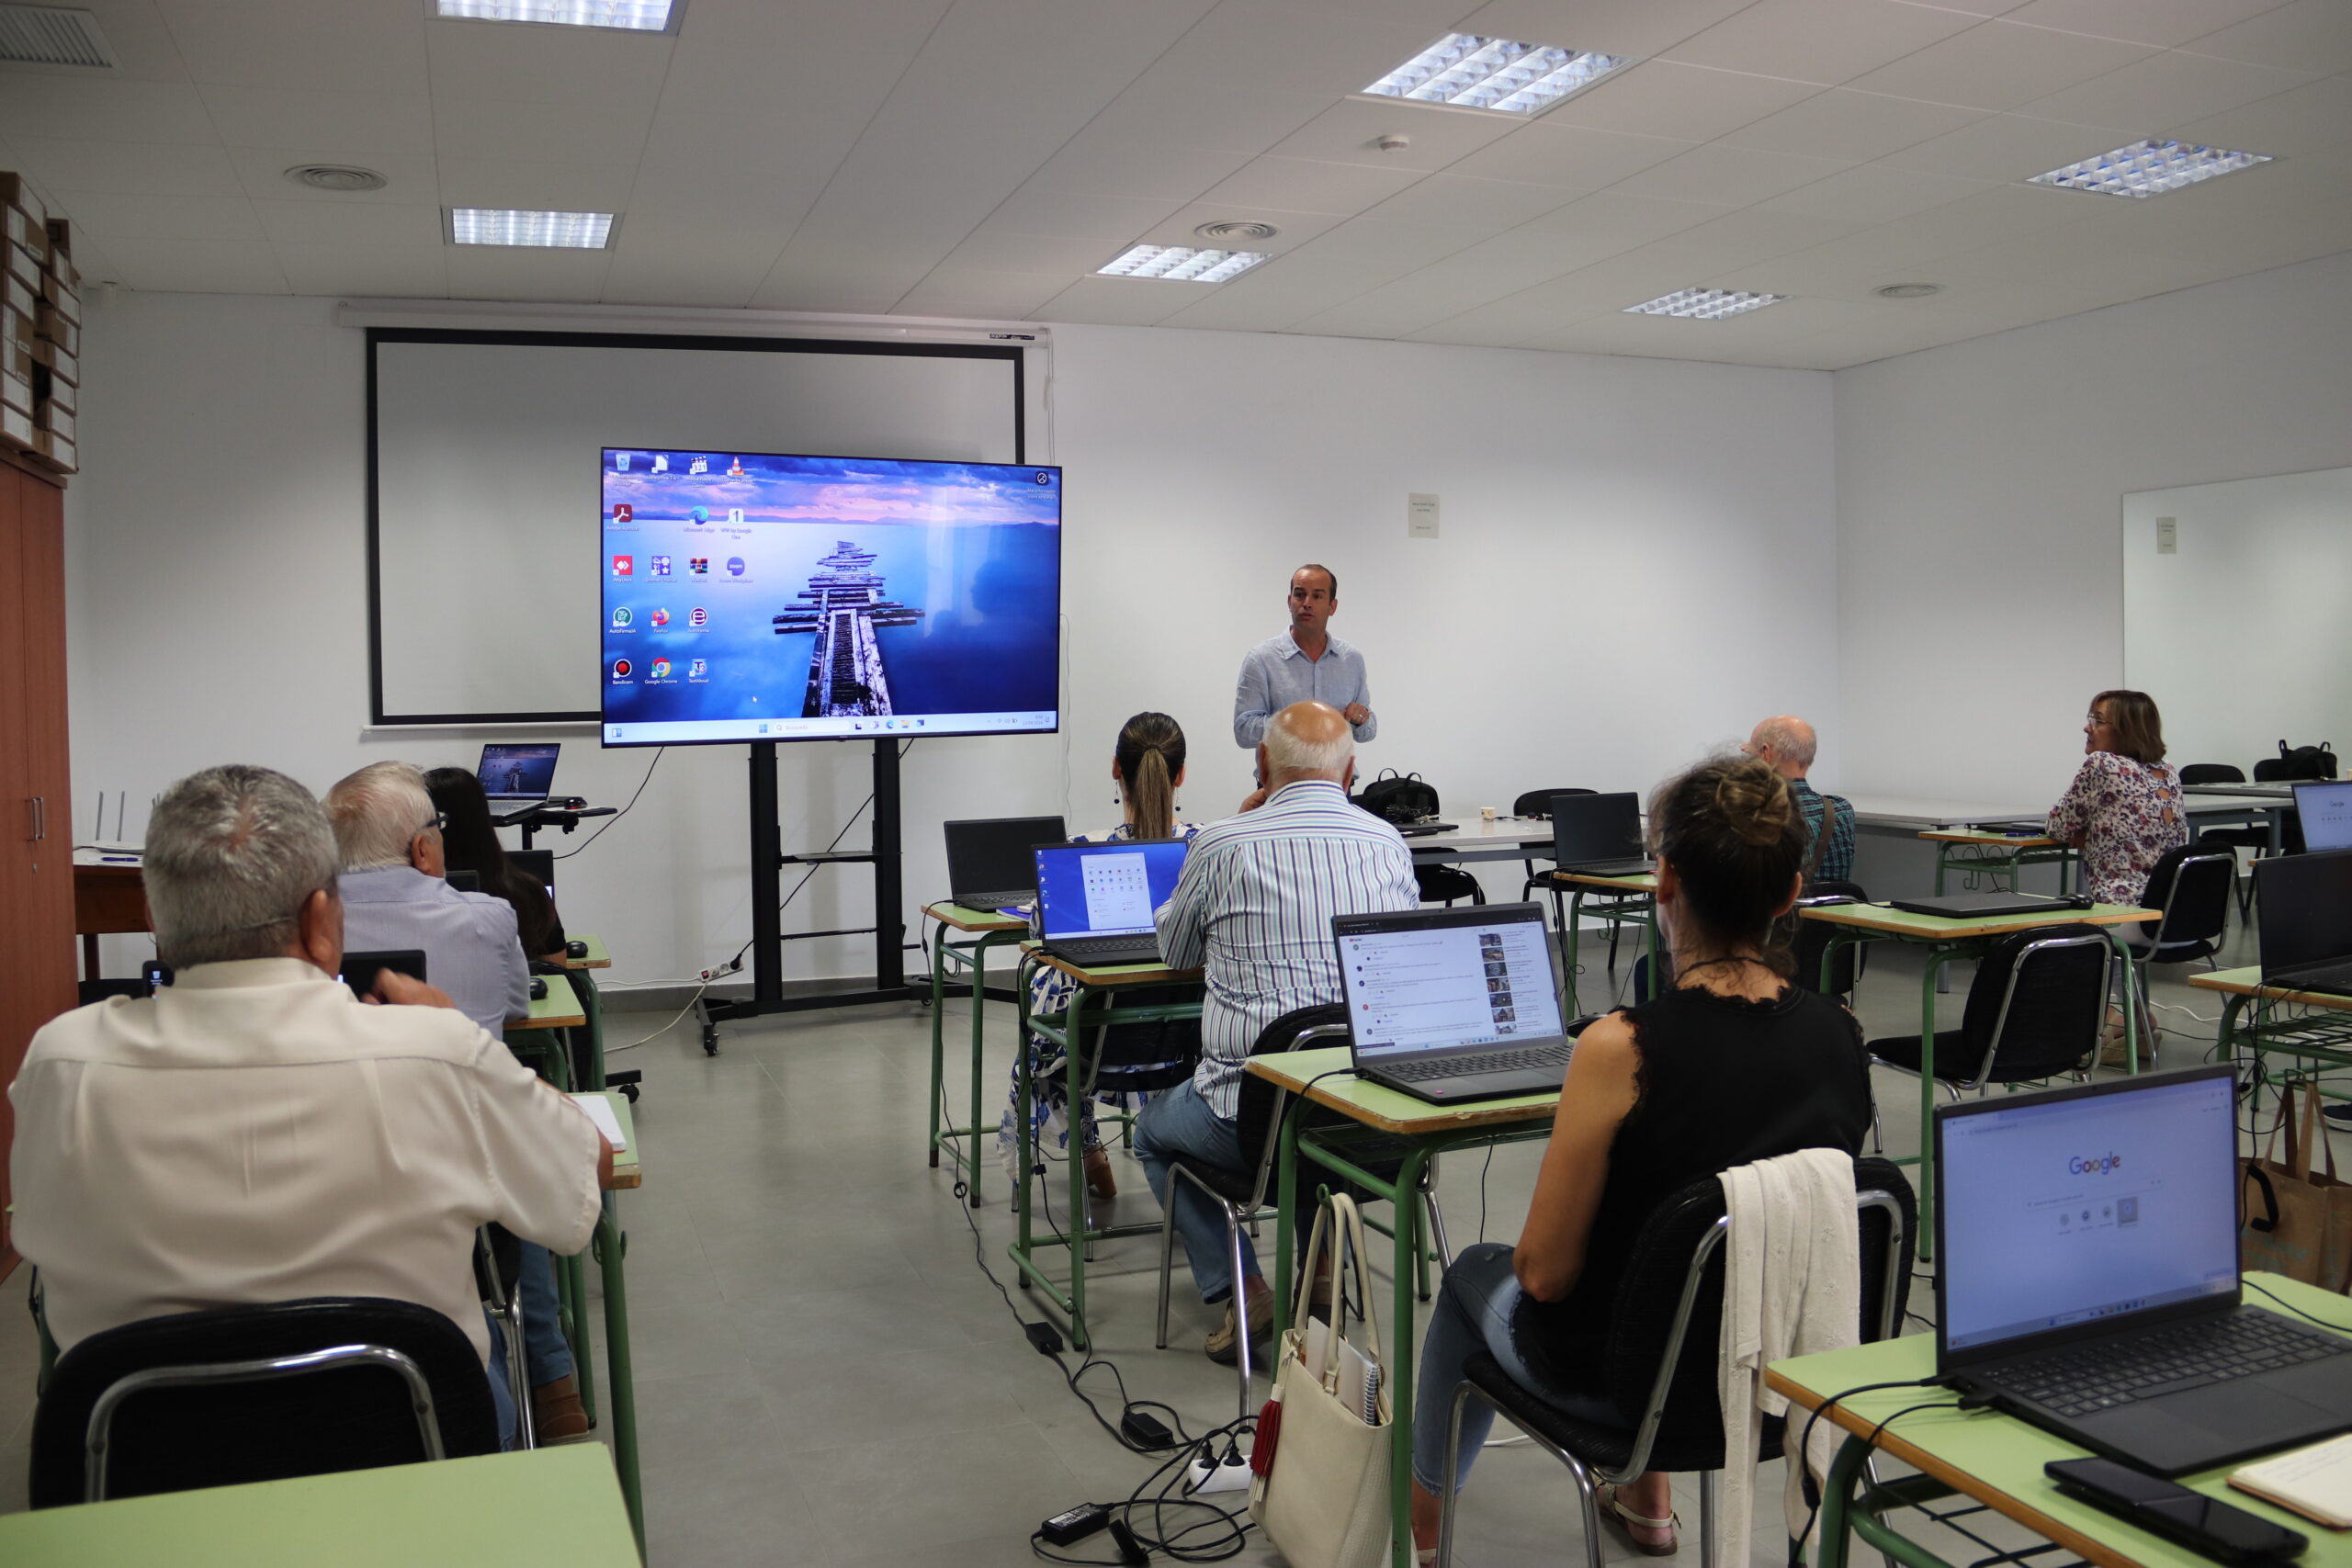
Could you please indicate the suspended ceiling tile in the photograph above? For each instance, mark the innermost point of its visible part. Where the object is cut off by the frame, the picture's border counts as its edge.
(197, 266)
(128, 168)
(395, 272)
(999, 250)
(2314, 118)
(1471, 207)
(1292, 228)
(415, 179)
(1253, 47)
(1301, 185)
(95, 109)
(1184, 106)
(351, 223)
(2304, 35)
(1073, 215)
(113, 217)
(1852, 127)
(2148, 93)
(1119, 302)
(1720, 173)
(1612, 27)
(1404, 246)
(550, 186)
(1872, 194)
(491, 272)
(283, 116)
(1663, 97)
(677, 179)
(973, 291)
(375, 47)
(1347, 131)
(142, 45)
(619, 71)
(1999, 64)
(2005, 147)
(1825, 42)
(1569, 157)
(1100, 165)
(2167, 24)
(582, 131)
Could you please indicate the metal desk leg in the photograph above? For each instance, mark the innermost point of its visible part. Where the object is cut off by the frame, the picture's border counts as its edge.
(610, 1246)
(1936, 958)
(979, 963)
(1286, 1214)
(1081, 1220)
(938, 994)
(592, 1003)
(1023, 1126)
(1569, 939)
(1405, 1254)
(1836, 1493)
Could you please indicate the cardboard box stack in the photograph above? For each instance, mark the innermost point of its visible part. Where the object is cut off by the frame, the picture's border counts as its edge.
(41, 331)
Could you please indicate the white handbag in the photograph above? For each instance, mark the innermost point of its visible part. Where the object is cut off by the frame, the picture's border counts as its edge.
(1320, 1489)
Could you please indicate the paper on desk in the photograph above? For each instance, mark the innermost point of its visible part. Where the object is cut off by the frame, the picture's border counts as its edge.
(600, 1111)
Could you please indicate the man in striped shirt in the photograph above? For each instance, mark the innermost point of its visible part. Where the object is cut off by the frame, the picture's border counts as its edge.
(1254, 905)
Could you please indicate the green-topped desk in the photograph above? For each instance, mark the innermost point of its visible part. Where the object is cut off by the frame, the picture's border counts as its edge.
(2252, 1024)
(1632, 901)
(1326, 1077)
(985, 929)
(1093, 1004)
(1996, 1459)
(1998, 855)
(609, 1246)
(540, 1508)
(1946, 938)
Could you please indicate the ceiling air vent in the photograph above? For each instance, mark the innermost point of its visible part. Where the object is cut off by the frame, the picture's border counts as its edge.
(336, 177)
(52, 35)
(1221, 232)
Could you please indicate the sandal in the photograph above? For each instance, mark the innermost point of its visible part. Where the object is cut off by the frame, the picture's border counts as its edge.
(1099, 1178)
(1626, 1520)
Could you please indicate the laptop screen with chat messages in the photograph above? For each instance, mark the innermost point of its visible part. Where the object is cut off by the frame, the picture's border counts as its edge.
(1427, 980)
(1110, 889)
(2060, 1208)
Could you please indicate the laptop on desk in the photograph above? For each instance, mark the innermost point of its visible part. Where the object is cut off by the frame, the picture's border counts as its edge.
(1099, 904)
(2326, 811)
(2087, 1277)
(2306, 925)
(1454, 1005)
(1599, 835)
(1984, 906)
(517, 776)
(990, 861)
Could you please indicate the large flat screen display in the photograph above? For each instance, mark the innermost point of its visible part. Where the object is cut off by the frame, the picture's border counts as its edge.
(753, 596)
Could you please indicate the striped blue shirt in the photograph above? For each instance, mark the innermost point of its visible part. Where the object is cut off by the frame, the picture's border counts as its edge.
(1277, 673)
(1254, 905)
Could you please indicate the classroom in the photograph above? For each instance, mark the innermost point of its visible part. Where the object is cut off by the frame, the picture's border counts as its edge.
(1945, 405)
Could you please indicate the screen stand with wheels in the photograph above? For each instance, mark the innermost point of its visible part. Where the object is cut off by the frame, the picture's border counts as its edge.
(768, 860)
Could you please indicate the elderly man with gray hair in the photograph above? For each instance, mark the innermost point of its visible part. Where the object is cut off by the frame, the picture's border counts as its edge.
(254, 1133)
(1787, 742)
(1254, 906)
(395, 898)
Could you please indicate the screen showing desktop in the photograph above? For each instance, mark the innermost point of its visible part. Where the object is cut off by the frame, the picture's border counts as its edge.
(751, 596)
(1109, 889)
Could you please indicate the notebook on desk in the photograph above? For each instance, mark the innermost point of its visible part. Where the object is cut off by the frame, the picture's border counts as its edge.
(2306, 925)
(1454, 1005)
(1098, 904)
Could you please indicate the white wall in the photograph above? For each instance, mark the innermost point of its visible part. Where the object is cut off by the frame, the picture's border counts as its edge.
(1637, 560)
(1980, 503)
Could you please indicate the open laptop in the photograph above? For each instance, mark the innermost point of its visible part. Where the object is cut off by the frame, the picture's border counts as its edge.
(1599, 835)
(517, 775)
(2087, 1277)
(2325, 809)
(1454, 1005)
(2306, 903)
(540, 863)
(990, 865)
(1099, 904)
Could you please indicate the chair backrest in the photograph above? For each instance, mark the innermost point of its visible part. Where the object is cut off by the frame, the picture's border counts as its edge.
(2210, 774)
(1671, 1298)
(1538, 802)
(1154, 1054)
(2193, 885)
(1254, 1114)
(235, 1395)
(2037, 1004)
(1811, 941)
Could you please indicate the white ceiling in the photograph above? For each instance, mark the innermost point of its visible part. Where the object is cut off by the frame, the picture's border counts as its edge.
(981, 158)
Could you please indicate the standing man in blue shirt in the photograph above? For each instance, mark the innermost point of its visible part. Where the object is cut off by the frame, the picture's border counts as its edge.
(1304, 664)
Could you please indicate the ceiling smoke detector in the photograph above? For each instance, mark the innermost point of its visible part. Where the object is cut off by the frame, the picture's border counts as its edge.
(342, 178)
(1232, 229)
(1908, 290)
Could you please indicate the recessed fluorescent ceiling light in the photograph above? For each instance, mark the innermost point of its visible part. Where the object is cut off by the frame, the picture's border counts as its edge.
(1704, 304)
(628, 16)
(1182, 263)
(2149, 168)
(502, 226)
(1475, 73)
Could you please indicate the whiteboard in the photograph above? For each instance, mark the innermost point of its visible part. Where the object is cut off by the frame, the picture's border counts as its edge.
(483, 452)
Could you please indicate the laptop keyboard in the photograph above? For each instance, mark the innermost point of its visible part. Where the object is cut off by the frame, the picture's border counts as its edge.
(2335, 978)
(1095, 946)
(2088, 1379)
(999, 900)
(1496, 1062)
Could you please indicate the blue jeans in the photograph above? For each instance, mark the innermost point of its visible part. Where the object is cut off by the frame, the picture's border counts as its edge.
(546, 1355)
(1474, 1312)
(501, 1398)
(1181, 1123)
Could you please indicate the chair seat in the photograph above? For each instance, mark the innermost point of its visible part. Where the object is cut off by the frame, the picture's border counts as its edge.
(1446, 882)
(1233, 1186)
(1607, 1447)
(2146, 951)
(1902, 1051)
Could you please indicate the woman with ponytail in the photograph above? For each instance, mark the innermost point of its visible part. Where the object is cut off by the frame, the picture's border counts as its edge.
(1147, 768)
(1731, 1064)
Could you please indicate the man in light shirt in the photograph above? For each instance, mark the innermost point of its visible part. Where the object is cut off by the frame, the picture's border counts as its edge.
(1305, 663)
(1254, 906)
(254, 1133)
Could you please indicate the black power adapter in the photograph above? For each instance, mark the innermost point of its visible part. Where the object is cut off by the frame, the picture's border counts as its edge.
(1074, 1524)
(1146, 1431)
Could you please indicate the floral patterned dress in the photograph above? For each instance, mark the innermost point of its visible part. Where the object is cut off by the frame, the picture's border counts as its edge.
(1049, 993)
(2129, 814)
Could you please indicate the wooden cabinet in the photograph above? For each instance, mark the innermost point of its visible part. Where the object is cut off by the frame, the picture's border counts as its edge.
(37, 979)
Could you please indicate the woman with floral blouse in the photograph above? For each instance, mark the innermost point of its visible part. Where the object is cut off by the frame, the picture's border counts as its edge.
(2123, 810)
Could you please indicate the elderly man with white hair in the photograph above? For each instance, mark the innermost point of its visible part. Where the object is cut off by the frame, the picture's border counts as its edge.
(1787, 743)
(254, 1133)
(1254, 906)
(395, 895)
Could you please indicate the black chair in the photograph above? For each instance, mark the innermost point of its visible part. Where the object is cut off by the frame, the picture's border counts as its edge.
(1663, 1352)
(1444, 883)
(1812, 940)
(1145, 1057)
(1537, 803)
(2035, 1010)
(2210, 774)
(1241, 1194)
(2269, 769)
(498, 1280)
(235, 1395)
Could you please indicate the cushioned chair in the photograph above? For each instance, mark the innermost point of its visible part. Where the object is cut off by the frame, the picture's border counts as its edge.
(2034, 1011)
(2191, 886)
(1663, 1352)
(258, 1393)
(1241, 1194)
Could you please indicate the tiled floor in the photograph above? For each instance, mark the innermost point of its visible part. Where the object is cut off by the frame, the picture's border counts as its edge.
(824, 1377)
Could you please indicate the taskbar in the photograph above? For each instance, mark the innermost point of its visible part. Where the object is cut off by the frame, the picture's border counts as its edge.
(685, 732)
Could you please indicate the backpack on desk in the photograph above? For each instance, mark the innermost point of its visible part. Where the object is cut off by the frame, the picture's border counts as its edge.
(2307, 762)
(1396, 799)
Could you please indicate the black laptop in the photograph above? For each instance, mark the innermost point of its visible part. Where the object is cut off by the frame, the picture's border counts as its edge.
(1454, 1005)
(990, 865)
(2324, 809)
(2087, 1277)
(1099, 904)
(1599, 835)
(2306, 904)
(1984, 906)
(517, 775)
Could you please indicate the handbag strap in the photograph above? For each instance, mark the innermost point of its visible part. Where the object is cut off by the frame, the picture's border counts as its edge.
(1309, 1264)
(2279, 1123)
(1348, 1227)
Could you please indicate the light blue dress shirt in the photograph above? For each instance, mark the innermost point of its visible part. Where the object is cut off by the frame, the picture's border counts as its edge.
(470, 947)
(1277, 673)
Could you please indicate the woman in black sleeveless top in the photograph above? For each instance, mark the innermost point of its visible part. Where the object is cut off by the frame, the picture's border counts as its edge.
(1733, 1064)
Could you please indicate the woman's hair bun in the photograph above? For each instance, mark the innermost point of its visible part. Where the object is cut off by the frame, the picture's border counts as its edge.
(1755, 802)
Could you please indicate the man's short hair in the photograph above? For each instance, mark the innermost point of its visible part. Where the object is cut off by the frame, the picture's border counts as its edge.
(1791, 742)
(1330, 575)
(1286, 753)
(232, 856)
(377, 813)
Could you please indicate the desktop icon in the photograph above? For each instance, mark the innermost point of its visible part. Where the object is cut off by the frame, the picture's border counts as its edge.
(620, 462)
(697, 616)
(1044, 478)
(621, 668)
(735, 469)
(698, 669)
(658, 564)
(659, 618)
(698, 516)
(623, 512)
(660, 462)
(624, 565)
(699, 465)
(734, 514)
(623, 617)
(661, 670)
(734, 566)
(698, 565)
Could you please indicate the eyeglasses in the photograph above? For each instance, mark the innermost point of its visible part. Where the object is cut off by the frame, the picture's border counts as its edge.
(440, 822)
(2094, 720)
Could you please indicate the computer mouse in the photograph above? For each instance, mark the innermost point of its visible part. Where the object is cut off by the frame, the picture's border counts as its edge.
(575, 949)
(538, 990)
